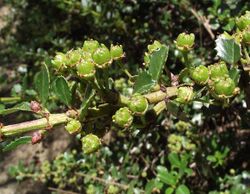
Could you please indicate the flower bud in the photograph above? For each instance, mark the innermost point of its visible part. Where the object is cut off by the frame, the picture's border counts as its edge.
(246, 36)
(116, 51)
(113, 189)
(59, 61)
(102, 57)
(153, 47)
(90, 46)
(73, 57)
(185, 94)
(86, 69)
(200, 74)
(218, 70)
(224, 87)
(185, 41)
(243, 21)
(123, 117)
(90, 143)
(138, 104)
(74, 126)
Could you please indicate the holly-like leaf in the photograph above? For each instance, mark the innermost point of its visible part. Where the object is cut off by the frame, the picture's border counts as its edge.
(174, 160)
(20, 141)
(157, 62)
(62, 90)
(151, 185)
(165, 176)
(144, 83)
(228, 50)
(24, 106)
(182, 189)
(42, 83)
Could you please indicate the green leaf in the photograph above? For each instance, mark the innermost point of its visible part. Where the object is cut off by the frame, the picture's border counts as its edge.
(169, 190)
(157, 62)
(152, 184)
(89, 96)
(62, 90)
(182, 189)
(42, 81)
(24, 106)
(174, 160)
(234, 74)
(228, 50)
(20, 141)
(165, 176)
(144, 82)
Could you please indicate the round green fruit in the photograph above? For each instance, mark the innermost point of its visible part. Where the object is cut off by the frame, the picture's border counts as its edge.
(224, 86)
(200, 74)
(246, 37)
(86, 69)
(74, 126)
(73, 57)
(90, 46)
(185, 41)
(90, 143)
(184, 94)
(218, 70)
(116, 51)
(138, 104)
(244, 21)
(101, 57)
(123, 117)
(59, 61)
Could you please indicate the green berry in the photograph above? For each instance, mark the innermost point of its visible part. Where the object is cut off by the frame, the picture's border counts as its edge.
(246, 37)
(218, 70)
(74, 126)
(90, 46)
(59, 61)
(90, 143)
(113, 190)
(185, 41)
(102, 57)
(184, 94)
(244, 21)
(153, 47)
(200, 74)
(73, 57)
(86, 69)
(123, 117)
(116, 51)
(138, 104)
(224, 86)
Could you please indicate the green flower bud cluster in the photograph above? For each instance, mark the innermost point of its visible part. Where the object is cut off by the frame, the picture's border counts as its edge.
(243, 22)
(185, 42)
(221, 85)
(137, 105)
(182, 126)
(217, 78)
(90, 143)
(179, 143)
(85, 60)
(246, 36)
(151, 48)
(73, 126)
(113, 190)
(184, 95)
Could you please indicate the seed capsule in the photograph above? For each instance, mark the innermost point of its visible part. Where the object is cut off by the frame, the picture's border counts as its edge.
(123, 117)
(90, 143)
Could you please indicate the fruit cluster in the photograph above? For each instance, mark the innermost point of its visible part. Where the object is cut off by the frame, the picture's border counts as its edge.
(84, 61)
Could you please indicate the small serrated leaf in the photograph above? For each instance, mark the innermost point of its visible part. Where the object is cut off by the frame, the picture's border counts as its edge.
(24, 106)
(144, 82)
(62, 90)
(20, 141)
(42, 83)
(182, 189)
(157, 61)
(228, 50)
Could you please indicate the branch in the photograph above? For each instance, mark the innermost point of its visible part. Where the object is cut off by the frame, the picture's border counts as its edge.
(15, 129)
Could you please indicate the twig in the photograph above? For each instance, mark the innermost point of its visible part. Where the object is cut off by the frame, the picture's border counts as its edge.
(60, 191)
(106, 182)
(204, 21)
